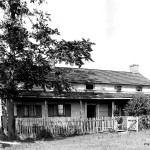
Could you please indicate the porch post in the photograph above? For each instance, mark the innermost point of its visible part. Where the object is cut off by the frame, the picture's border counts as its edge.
(80, 109)
(0, 112)
(46, 109)
(15, 110)
(113, 108)
(85, 110)
(119, 110)
(97, 115)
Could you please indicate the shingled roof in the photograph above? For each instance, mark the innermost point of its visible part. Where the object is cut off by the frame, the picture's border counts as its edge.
(81, 75)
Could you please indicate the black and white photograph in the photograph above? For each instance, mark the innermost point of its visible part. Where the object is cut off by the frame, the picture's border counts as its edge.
(74, 74)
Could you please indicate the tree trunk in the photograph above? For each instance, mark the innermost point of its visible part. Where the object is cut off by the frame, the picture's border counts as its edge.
(11, 119)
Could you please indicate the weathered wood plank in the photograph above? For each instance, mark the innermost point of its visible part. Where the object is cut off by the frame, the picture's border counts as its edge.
(32, 126)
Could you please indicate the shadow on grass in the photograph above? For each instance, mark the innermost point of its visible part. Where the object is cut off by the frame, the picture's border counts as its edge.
(27, 141)
(4, 145)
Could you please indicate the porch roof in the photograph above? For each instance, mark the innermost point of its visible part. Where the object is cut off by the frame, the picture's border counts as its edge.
(79, 95)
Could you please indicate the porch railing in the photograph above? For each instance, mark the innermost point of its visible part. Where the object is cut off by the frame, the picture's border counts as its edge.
(30, 127)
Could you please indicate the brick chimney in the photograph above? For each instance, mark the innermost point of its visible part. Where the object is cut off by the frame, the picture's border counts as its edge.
(134, 68)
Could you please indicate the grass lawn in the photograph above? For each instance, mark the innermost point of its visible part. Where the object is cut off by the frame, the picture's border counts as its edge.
(101, 141)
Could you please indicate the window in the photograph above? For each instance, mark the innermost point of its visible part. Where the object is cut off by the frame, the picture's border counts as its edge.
(56, 110)
(60, 110)
(89, 86)
(139, 88)
(118, 88)
(29, 111)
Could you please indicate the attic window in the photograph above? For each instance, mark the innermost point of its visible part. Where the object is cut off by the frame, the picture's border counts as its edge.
(118, 88)
(89, 86)
(139, 88)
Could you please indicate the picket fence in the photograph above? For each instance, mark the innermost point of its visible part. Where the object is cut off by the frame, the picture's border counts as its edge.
(30, 127)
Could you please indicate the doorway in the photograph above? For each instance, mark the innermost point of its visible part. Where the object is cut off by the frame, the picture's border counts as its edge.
(91, 111)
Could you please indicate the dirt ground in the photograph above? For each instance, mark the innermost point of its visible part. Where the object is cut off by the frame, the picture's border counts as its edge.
(101, 141)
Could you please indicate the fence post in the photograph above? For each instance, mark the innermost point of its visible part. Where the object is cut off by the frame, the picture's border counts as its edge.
(102, 123)
(16, 125)
(137, 124)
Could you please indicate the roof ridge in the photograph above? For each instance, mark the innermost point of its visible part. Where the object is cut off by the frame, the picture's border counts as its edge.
(97, 69)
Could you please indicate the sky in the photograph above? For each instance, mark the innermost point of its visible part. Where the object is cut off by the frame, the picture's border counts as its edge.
(119, 28)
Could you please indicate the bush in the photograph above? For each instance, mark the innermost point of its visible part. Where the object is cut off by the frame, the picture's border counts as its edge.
(3, 135)
(137, 106)
(44, 134)
(119, 120)
(144, 123)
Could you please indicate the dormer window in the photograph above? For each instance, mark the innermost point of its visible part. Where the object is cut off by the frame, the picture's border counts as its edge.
(139, 88)
(89, 86)
(118, 88)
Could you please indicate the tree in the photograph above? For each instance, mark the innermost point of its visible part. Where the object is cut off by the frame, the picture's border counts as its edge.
(27, 54)
(138, 105)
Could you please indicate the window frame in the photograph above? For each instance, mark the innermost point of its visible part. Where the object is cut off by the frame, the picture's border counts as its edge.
(89, 84)
(118, 88)
(31, 111)
(139, 88)
(54, 110)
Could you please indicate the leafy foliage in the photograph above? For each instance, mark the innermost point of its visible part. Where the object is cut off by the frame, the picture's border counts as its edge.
(28, 55)
(144, 122)
(73, 52)
(137, 106)
(28, 52)
(44, 134)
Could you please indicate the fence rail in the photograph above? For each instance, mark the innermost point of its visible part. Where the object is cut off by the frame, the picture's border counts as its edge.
(30, 127)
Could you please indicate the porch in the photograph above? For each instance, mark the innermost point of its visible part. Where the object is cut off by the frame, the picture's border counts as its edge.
(62, 109)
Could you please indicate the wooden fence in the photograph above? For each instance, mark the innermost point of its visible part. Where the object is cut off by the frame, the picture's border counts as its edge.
(30, 127)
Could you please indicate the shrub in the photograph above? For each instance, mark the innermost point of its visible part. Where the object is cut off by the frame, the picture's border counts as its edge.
(3, 137)
(44, 134)
(137, 106)
(144, 123)
(119, 120)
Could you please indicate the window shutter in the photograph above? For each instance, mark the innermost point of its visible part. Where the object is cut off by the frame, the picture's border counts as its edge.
(31, 110)
(25, 109)
(20, 111)
(55, 110)
(38, 111)
(51, 110)
(68, 110)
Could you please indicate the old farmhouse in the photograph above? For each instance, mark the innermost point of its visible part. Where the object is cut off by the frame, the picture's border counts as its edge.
(95, 93)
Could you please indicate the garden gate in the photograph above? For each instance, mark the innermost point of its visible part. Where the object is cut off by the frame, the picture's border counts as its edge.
(132, 123)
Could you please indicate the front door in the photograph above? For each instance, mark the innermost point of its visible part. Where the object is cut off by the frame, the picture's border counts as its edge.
(91, 111)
